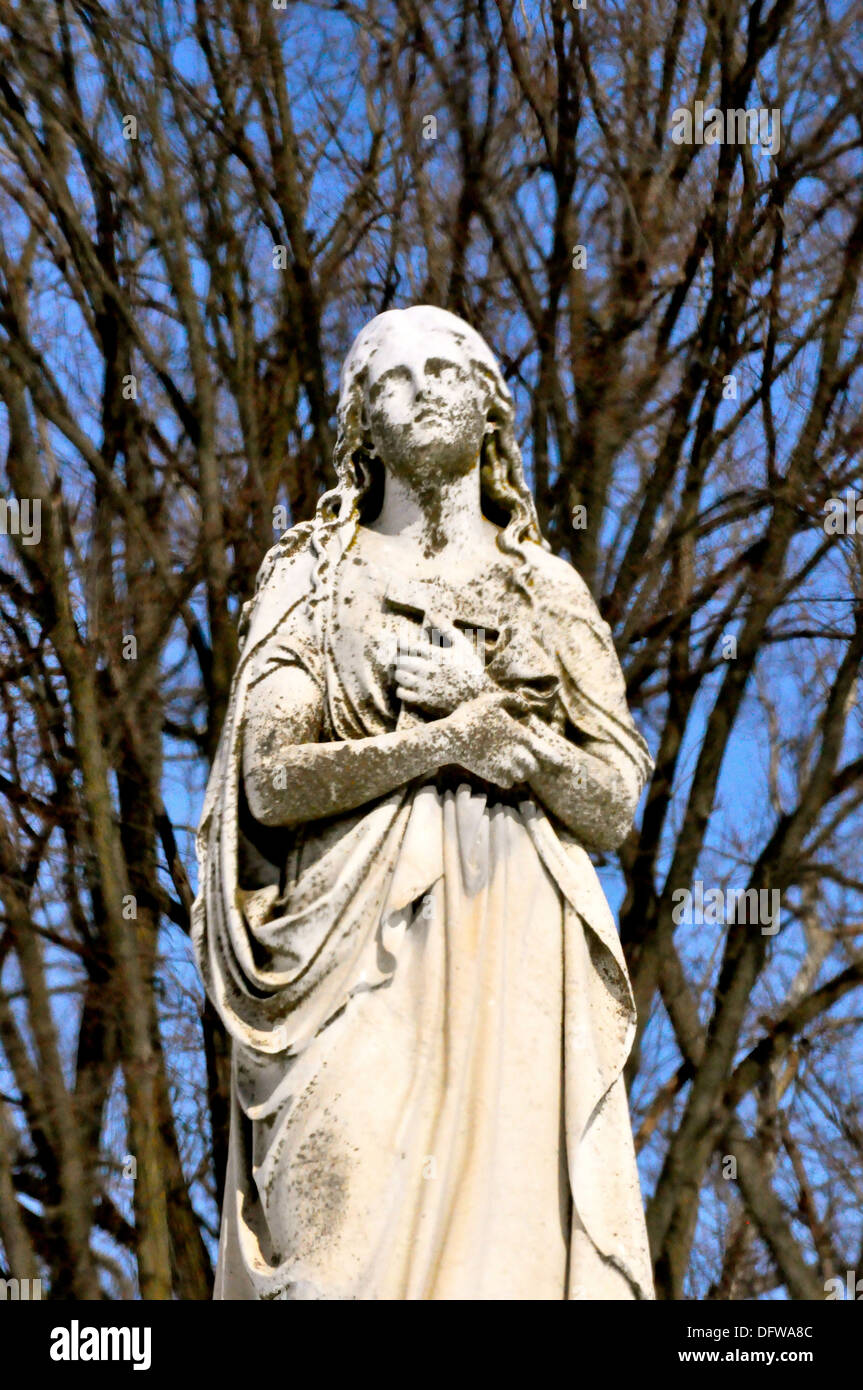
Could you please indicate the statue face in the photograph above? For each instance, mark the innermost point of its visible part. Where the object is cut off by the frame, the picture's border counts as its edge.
(425, 406)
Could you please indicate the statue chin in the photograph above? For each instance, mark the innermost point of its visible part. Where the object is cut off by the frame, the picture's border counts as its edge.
(409, 453)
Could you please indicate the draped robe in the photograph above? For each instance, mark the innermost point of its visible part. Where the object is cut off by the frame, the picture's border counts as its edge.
(428, 1004)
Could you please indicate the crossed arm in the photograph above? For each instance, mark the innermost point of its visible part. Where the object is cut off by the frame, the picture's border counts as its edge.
(291, 777)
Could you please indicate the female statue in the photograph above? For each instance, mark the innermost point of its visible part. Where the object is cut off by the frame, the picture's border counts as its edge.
(397, 918)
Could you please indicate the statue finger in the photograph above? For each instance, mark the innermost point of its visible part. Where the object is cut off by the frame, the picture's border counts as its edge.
(407, 677)
(414, 663)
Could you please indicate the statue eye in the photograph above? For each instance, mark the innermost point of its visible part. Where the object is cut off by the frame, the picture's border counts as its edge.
(386, 381)
(442, 370)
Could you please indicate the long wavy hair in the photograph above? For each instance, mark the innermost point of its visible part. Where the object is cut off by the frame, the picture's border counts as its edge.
(505, 496)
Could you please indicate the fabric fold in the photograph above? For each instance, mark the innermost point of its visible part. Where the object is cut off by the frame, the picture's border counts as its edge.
(444, 920)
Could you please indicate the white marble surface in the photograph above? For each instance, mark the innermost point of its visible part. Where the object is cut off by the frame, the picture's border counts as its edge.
(398, 920)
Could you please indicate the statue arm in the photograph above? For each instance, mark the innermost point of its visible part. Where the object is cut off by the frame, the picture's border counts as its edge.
(590, 778)
(592, 789)
(290, 777)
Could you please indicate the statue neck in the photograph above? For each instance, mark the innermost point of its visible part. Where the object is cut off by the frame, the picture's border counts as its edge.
(433, 517)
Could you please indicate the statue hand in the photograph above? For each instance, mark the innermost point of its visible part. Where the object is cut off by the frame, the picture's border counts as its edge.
(438, 678)
(491, 744)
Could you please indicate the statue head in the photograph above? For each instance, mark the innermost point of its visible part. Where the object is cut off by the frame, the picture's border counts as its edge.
(421, 394)
(425, 400)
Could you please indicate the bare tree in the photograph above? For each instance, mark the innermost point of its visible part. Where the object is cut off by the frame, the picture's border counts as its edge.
(201, 203)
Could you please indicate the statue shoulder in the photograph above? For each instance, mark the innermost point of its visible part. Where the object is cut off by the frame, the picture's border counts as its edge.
(284, 575)
(594, 688)
(295, 545)
(557, 583)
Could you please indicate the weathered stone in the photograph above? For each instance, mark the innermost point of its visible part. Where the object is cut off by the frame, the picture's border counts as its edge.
(398, 920)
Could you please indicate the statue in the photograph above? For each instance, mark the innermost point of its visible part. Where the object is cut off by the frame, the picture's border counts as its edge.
(397, 917)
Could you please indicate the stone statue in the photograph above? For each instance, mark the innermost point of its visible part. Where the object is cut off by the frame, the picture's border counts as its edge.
(397, 919)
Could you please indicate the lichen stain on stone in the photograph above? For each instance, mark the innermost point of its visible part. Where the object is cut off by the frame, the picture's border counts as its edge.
(319, 1180)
